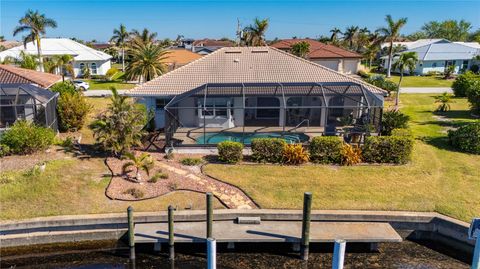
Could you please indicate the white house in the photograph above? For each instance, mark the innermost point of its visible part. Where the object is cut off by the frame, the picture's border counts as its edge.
(436, 55)
(97, 61)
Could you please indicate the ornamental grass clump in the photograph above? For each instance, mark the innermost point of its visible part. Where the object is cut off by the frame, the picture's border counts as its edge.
(295, 154)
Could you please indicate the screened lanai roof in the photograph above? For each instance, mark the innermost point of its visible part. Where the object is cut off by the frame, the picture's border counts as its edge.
(41, 95)
(348, 90)
(244, 65)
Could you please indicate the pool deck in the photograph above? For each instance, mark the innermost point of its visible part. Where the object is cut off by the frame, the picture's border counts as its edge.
(189, 135)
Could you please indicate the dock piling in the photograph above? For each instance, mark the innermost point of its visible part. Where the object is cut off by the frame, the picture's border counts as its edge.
(211, 253)
(209, 214)
(476, 255)
(171, 239)
(307, 208)
(339, 254)
(131, 232)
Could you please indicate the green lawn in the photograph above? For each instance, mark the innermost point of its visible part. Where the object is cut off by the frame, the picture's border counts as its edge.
(438, 179)
(422, 81)
(105, 85)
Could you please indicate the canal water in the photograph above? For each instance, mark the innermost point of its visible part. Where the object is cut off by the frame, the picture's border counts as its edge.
(405, 255)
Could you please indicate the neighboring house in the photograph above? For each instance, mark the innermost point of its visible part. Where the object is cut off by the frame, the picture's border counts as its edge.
(330, 56)
(436, 56)
(248, 91)
(180, 57)
(7, 44)
(205, 46)
(97, 61)
(23, 95)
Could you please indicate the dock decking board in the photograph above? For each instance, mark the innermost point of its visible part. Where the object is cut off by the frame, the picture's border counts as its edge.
(268, 231)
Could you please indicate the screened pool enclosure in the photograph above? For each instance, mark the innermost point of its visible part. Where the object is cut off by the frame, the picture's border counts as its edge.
(27, 102)
(295, 112)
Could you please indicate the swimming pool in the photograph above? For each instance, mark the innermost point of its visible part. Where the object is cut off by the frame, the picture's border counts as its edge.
(215, 138)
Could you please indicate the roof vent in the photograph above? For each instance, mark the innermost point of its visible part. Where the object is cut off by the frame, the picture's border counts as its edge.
(236, 60)
(259, 51)
(233, 51)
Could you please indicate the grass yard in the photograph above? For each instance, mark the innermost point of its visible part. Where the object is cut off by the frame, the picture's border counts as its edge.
(422, 81)
(438, 179)
(105, 85)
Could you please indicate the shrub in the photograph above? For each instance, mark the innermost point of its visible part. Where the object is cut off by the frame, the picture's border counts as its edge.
(295, 154)
(72, 110)
(136, 193)
(111, 73)
(466, 138)
(267, 150)
(4, 150)
(363, 74)
(63, 88)
(351, 155)
(393, 119)
(326, 149)
(191, 161)
(157, 176)
(473, 96)
(25, 137)
(463, 82)
(230, 152)
(381, 82)
(475, 68)
(387, 149)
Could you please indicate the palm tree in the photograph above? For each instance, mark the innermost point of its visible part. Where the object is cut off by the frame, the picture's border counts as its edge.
(350, 35)
(120, 37)
(144, 37)
(390, 34)
(28, 61)
(35, 24)
(142, 162)
(371, 52)
(406, 61)
(64, 63)
(335, 32)
(300, 49)
(148, 62)
(445, 100)
(254, 35)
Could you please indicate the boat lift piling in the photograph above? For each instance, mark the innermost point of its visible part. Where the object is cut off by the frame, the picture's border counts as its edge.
(171, 239)
(305, 241)
(131, 233)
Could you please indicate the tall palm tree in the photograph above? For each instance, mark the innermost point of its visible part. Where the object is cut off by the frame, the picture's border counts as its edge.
(406, 61)
(144, 37)
(350, 35)
(120, 37)
(63, 63)
(148, 62)
(335, 32)
(390, 34)
(35, 24)
(254, 34)
(371, 52)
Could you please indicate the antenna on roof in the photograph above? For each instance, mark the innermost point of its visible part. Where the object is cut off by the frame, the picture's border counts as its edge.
(239, 33)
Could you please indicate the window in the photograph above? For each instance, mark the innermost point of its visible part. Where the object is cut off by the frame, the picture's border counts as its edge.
(161, 103)
(82, 65)
(434, 64)
(464, 65)
(215, 107)
(268, 113)
(94, 68)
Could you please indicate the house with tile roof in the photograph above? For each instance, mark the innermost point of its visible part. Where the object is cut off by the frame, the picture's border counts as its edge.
(327, 55)
(243, 92)
(97, 61)
(176, 58)
(435, 55)
(10, 74)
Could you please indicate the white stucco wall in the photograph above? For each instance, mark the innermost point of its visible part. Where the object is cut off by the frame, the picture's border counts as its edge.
(332, 64)
(351, 66)
(102, 67)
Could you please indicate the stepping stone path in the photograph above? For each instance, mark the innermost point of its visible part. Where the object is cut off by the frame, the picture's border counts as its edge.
(229, 195)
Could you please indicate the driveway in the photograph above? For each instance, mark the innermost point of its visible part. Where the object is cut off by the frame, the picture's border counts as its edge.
(101, 93)
(426, 90)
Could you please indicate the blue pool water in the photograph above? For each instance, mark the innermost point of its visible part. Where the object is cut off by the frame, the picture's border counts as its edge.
(215, 138)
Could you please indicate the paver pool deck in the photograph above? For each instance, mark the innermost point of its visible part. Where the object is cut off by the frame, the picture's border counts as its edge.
(268, 231)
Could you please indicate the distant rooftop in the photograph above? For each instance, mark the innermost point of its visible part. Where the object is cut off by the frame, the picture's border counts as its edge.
(181, 56)
(318, 50)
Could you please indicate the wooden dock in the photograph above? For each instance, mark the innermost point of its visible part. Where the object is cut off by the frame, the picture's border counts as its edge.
(268, 231)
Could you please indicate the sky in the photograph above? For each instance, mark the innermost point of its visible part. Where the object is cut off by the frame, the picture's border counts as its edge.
(96, 19)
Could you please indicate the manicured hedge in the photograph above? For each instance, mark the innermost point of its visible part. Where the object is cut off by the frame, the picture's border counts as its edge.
(326, 149)
(463, 82)
(25, 138)
(268, 150)
(466, 138)
(230, 152)
(387, 149)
